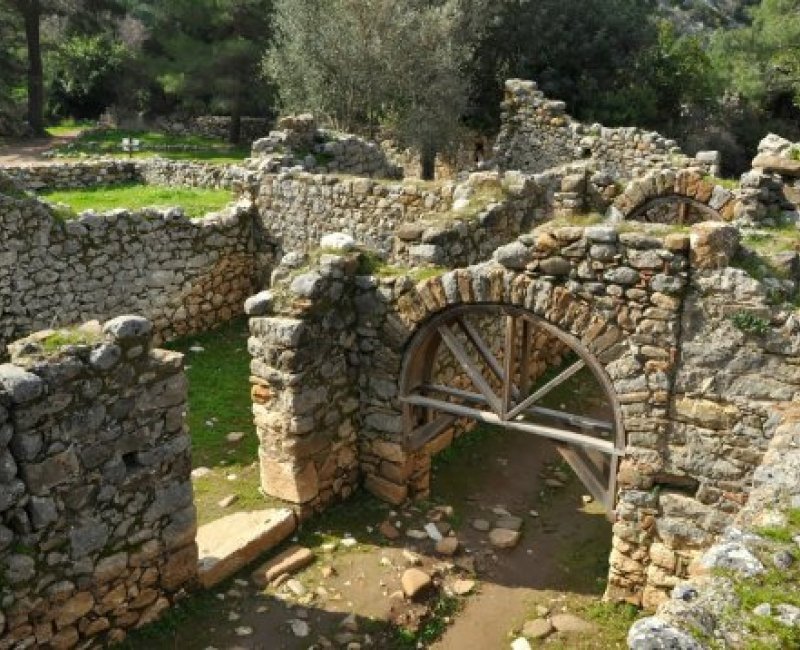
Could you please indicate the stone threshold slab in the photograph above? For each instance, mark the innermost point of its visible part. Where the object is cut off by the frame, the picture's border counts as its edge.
(229, 544)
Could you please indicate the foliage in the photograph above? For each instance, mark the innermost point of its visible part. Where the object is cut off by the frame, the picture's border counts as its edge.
(196, 202)
(85, 71)
(204, 54)
(762, 59)
(750, 323)
(374, 64)
(67, 337)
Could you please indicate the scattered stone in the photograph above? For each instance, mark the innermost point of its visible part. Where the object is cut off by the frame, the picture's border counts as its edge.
(413, 533)
(463, 587)
(349, 623)
(504, 538)
(783, 560)
(414, 582)
(587, 499)
(197, 348)
(520, 644)
(764, 609)
(296, 587)
(349, 542)
(542, 611)
(789, 615)
(388, 531)
(411, 558)
(553, 483)
(201, 472)
(433, 532)
(509, 522)
(290, 561)
(533, 513)
(228, 501)
(244, 631)
(234, 437)
(447, 546)
(481, 525)
(299, 628)
(538, 628)
(569, 624)
(328, 571)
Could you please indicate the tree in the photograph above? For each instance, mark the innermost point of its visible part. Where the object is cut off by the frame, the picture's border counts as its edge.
(374, 64)
(31, 12)
(762, 60)
(205, 54)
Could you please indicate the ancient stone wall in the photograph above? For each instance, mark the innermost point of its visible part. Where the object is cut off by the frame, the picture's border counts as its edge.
(537, 134)
(709, 606)
(153, 171)
(215, 126)
(693, 350)
(298, 208)
(97, 523)
(186, 275)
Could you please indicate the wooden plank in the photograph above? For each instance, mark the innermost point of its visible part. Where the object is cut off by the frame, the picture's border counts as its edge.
(550, 385)
(525, 359)
(421, 436)
(560, 435)
(510, 351)
(469, 366)
(480, 345)
(580, 421)
(595, 486)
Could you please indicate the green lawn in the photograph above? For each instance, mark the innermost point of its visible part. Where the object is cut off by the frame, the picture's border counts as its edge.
(195, 201)
(104, 142)
(219, 404)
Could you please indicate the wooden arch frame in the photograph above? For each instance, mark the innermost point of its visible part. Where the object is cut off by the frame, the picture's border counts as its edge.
(585, 454)
(684, 202)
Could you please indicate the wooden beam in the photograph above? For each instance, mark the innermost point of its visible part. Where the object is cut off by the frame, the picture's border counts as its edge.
(510, 352)
(469, 366)
(550, 385)
(560, 435)
(580, 421)
(525, 359)
(421, 436)
(596, 487)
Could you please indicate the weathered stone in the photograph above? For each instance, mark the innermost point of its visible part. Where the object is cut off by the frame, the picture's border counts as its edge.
(285, 481)
(230, 543)
(503, 538)
(56, 470)
(128, 327)
(538, 628)
(289, 561)
(20, 385)
(415, 582)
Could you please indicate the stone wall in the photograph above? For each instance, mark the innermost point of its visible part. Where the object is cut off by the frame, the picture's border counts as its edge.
(186, 275)
(298, 142)
(297, 208)
(708, 608)
(97, 523)
(154, 171)
(215, 126)
(536, 134)
(696, 354)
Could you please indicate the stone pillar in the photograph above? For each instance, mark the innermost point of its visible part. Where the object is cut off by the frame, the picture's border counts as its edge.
(305, 388)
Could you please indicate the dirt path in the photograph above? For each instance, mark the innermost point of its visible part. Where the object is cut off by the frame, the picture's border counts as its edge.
(30, 151)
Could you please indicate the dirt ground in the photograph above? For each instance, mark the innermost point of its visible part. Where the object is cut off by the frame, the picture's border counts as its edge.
(559, 565)
(30, 151)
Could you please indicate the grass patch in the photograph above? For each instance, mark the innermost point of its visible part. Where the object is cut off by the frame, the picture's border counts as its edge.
(132, 196)
(781, 239)
(66, 337)
(478, 202)
(727, 183)
(105, 142)
(750, 323)
(219, 403)
(589, 219)
(68, 127)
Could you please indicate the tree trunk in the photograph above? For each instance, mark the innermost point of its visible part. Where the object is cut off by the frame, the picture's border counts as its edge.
(428, 163)
(31, 11)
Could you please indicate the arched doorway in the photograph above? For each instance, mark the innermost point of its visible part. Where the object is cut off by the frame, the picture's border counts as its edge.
(674, 210)
(498, 365)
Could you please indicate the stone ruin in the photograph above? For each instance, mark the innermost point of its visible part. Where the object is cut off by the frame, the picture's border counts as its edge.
(699, 360)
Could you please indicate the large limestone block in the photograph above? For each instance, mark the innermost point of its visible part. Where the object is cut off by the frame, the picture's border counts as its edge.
(228, 544)
(285, 481)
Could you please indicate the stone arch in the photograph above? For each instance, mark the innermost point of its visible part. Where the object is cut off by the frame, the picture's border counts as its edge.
(696, 195)
(599, 329)
(591, 445)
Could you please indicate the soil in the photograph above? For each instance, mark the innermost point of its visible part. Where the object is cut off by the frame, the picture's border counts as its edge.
(560, 564)
(31, 151)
